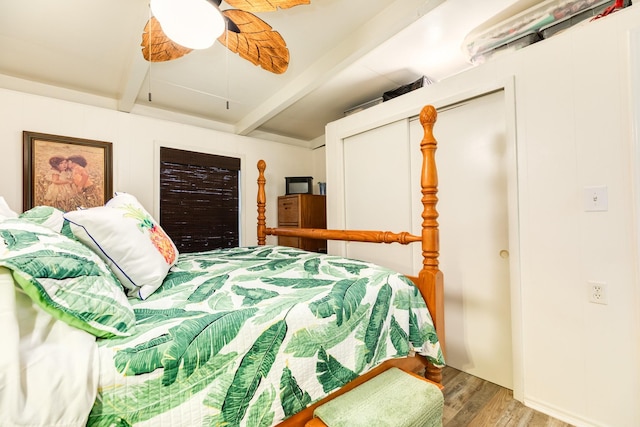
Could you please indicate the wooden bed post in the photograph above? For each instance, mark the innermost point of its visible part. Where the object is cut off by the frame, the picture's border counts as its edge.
(430, 276)
(262, 202)
(430, 280)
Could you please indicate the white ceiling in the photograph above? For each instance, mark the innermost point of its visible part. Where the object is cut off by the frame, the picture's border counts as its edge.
(343, 53)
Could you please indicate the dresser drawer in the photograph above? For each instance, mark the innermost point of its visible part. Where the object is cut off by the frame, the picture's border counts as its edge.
(288, 211)
(302, 211)
(293, 242)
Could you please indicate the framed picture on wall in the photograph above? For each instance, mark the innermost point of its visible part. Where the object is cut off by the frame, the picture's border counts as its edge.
(64, 172)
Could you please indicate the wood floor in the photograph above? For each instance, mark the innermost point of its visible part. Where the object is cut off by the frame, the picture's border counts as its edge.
(470, 401)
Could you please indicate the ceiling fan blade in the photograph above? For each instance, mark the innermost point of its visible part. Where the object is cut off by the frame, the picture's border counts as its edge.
(265, 5)
(256, 41)
(157, 47)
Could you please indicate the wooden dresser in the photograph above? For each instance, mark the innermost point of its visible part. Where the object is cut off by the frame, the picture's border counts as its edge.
(302, 211)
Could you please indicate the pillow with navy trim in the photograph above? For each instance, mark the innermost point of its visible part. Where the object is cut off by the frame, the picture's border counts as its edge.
(65, 278)
(129, 240)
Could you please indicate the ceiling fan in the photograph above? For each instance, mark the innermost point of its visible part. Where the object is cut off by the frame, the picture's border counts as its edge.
(244, 34)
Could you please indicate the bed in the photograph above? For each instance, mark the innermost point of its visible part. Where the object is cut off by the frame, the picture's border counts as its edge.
(105, 324)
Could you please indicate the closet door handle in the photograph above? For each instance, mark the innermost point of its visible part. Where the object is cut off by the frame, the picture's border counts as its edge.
(504, 254)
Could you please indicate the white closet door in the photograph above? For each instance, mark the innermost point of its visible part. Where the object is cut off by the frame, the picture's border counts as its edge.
(473, 220)
(377, 185)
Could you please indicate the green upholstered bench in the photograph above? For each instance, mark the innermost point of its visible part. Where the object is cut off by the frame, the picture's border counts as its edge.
(394, 398)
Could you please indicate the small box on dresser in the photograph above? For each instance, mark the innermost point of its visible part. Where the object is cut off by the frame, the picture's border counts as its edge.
(302, 211)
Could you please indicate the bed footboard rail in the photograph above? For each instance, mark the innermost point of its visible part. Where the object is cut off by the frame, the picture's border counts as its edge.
(369, 236)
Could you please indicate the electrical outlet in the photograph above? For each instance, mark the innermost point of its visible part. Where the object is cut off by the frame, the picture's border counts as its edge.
(598, 293)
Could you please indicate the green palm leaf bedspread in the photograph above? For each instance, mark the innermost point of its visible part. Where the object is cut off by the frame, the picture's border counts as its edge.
(250, 336)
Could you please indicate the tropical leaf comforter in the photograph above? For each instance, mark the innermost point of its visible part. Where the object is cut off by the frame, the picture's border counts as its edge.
(250, 336)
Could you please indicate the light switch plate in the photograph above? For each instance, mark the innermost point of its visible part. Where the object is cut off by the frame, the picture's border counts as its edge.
(596, 199)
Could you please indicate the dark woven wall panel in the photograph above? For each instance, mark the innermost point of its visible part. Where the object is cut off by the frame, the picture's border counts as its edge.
(199, 200)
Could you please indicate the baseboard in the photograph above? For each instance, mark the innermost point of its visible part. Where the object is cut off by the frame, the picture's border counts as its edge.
(560, 414)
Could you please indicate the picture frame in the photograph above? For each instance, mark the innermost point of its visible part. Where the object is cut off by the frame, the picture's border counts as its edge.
(65, 172)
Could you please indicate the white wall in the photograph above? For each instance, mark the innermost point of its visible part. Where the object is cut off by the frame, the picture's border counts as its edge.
(319, 172)
(136, 141)
(574, 127)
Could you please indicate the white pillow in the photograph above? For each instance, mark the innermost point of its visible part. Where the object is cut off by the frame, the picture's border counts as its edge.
(125, 235)
(5, 211)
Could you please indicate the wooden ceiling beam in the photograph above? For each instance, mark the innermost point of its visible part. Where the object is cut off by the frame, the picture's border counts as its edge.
(135, 75)
(133, 84)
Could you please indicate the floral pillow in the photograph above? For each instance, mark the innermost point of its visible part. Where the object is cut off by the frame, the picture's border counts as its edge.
(130, 241)
(65, 278)
(50, 217)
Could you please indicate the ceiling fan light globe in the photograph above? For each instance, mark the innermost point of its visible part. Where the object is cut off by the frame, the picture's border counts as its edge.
(195, 24)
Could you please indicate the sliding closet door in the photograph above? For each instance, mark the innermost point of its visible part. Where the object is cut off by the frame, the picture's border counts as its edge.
(382, 192)
(377, 185)
(474, 254)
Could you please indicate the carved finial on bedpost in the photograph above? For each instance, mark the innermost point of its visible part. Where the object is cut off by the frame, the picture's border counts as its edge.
(429, 184)
(430, 274)
(262, 202)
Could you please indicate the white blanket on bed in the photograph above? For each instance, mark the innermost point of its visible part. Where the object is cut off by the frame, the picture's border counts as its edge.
(48, 369)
